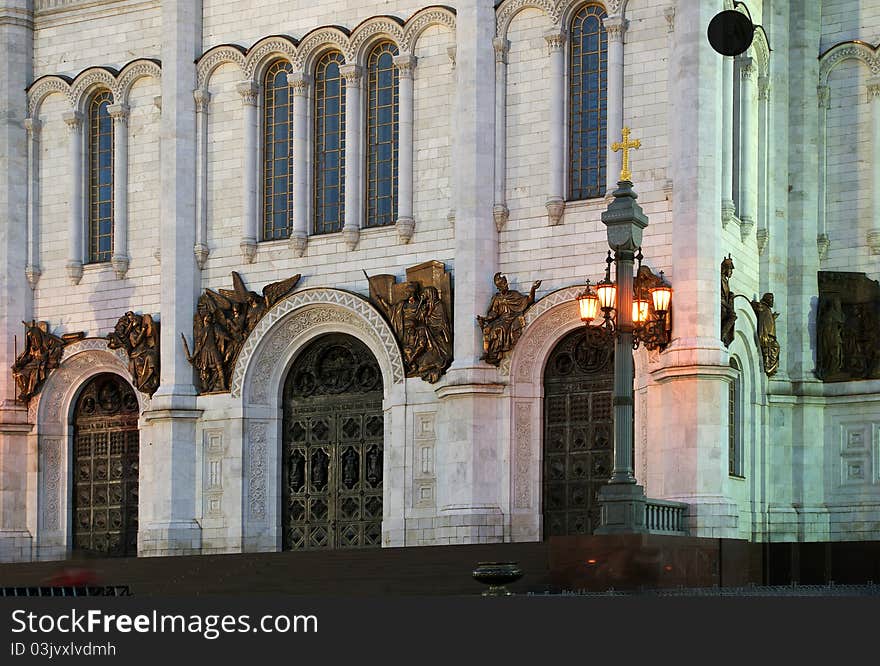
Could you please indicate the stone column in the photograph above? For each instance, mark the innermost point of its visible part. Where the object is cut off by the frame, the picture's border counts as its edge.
(119, 260)
(299, 82)
(17, 463)
(763, 232)
(748, 145)
(405, 63)
(75, 231)
(693, 375)
(874, 233)
(168, 511)
(249, 92)
(351, 228)
(500, 212)
(728, 208)
(804, 453)
(615, 28)
(32, 269)
(556, 199)
(200, 249)
(822, 241)
(471, 484)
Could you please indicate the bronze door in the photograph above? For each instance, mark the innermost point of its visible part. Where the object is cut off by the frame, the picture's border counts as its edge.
(332, 447)
(578, 434)
(105, 468)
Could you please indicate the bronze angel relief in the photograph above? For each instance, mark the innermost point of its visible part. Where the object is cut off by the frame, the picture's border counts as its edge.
(419, 311)
(223, 320)
(41, 354)
(505, 320)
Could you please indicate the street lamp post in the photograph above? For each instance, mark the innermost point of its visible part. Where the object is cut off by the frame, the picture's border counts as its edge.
(622, 500)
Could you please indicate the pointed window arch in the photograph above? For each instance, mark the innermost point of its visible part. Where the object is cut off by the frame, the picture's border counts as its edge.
(100, 160)
(329, 156)
(588, 79)
(382, 135)
(734, 418)
(277, 152)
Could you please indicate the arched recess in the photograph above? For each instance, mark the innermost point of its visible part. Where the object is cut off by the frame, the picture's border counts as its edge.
(753, 434)
(51, 442)
(258, 382)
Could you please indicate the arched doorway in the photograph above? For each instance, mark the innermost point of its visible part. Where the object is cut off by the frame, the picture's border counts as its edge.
(105, 468)
(332, 447)
(578, 433)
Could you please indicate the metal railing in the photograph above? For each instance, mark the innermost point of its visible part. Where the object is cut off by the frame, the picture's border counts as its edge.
(664, 517)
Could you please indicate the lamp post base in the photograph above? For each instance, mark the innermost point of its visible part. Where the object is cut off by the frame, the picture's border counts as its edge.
(623, 509)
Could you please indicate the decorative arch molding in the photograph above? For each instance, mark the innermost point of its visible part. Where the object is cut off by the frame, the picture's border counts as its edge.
(300, 317)
(302, 53)
(424, 19)
(541, 323)
(319, 41)
(77, 89)
(265, 51)
(853, 50)
(510, 8)
(372, 30)
(214, 58)
(81, 360)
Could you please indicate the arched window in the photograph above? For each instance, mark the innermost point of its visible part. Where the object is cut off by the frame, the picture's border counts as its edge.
(277, 152)
(382, 132)
(588, 75)
(329, 144)
(100, 158)
(734, 426)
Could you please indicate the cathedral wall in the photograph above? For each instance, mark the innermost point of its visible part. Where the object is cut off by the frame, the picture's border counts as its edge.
(97, 302)
(843, 20)
(223, 21)
(563, 255)
(327, 261)
(849, 159)
(71, 36)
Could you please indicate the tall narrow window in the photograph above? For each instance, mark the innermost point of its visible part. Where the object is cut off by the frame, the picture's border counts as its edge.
(734, 450)
(329, 144)
(277, 152)
(588, 75)
(382, 132)
(100, 178)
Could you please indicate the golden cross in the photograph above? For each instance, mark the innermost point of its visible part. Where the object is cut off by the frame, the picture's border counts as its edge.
(625, 146)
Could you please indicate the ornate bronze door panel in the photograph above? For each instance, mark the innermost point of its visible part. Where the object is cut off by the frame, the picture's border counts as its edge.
(578, 434)
(105, 464)
(332, 449)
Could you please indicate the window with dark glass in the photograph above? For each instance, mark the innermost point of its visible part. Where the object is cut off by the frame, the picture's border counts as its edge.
(588, 71)
(734, 450)
(100, 153)
(277, 152)
(382, 132)
(329, 144)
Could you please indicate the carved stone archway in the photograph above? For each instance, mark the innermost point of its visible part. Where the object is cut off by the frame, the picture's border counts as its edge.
(258, 381)
(52, 438)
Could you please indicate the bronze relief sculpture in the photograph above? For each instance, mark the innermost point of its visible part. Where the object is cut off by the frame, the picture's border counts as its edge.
(767, 333)
(505, 319)
(223, 320)
(847, 327)
(138, 335)
(420, 313)
(41, 354)
(728, 315)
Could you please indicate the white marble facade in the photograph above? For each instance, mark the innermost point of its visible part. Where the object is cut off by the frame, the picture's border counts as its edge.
(770, 159)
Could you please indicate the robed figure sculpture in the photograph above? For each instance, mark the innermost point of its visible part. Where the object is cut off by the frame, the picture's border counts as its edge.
(505, 319)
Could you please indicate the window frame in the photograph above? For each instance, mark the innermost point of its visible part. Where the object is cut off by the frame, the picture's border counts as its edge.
(266, 158)
(391, 48)
(97, 112)
(318, 152)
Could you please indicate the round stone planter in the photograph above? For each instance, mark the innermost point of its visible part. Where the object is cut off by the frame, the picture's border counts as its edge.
(496, 575)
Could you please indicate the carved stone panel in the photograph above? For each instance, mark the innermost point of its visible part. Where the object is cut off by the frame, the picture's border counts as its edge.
(847, 333)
